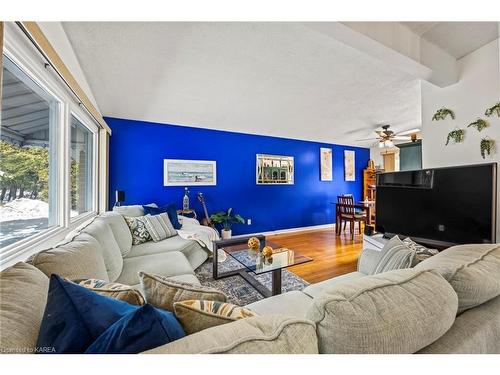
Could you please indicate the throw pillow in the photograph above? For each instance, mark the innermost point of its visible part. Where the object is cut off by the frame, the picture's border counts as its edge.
(143, 329)
(163, 292)
(114, 290)
(197, 315)
(169, 209)
(159, 227)
(138, 229)
(75, 317)
(395, 256)
(421, 252)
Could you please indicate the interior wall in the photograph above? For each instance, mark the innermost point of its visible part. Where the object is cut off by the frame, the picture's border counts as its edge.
(137, 150)
(477, 89)
(376, 154)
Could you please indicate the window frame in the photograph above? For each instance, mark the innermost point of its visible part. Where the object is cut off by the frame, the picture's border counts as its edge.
(24, 55)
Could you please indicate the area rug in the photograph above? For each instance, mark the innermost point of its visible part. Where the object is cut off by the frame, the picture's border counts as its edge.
(239, 292)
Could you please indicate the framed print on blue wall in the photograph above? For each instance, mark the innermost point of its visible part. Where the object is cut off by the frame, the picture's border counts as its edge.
(274, 170)
(189, 172)
(349, 165)
(326, 167)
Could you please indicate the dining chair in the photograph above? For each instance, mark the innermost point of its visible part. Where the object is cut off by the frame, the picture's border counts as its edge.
(347, 211)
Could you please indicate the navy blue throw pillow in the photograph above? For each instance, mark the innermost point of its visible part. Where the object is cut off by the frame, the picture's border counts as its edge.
(170, 209)
(75, 317)
(143, 329)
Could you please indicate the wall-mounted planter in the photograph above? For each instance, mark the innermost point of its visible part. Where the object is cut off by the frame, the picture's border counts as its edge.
(493, 110)
(442, 113)
(486, 147)
(479, 124)
(457, 136)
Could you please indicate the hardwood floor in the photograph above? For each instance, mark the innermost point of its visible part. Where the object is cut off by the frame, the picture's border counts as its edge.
(332, 255)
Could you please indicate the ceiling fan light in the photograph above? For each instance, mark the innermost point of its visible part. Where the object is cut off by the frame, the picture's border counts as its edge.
(381, 144)
(389, 143)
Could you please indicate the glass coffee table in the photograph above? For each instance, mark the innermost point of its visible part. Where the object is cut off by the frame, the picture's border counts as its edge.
(254, 263)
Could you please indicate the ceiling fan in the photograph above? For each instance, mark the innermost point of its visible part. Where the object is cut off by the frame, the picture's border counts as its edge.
(386, 137)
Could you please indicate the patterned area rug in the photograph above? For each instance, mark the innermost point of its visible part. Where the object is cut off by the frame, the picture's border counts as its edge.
(239, 292)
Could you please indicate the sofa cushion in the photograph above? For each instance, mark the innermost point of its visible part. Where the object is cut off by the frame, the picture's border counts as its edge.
(168, 264)
(163, 292)
(131, 211)
(314, 290)
(23, 294)
(396, 255)
(197, 315)
(120, 230)
(193, 251)
(472, 270)
(79, 259)
(400, 311)
(273, 334)
(139, 330)
(119, 291)
(138, 230)
(476, 331)
(292, 303)
(159, 227)
(101, 231)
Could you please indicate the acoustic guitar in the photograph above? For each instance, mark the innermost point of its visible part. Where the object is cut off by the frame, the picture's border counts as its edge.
(206, 220)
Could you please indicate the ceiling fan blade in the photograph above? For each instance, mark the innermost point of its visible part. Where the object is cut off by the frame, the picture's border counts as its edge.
(366, 139)
(401, 138)
(411, 131)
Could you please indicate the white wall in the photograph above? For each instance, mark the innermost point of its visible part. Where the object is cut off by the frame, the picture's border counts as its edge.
(477, 89)
(56, 35)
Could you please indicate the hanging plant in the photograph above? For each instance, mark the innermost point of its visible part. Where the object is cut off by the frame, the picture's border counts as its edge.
(493, 110)
(479, 124)
(457, 136)
(442, 113)
(486, 147)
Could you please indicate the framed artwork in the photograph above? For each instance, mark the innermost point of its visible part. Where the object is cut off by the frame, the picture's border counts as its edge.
(349, 162)
(326, 168)
(189, 172)
(274, 170)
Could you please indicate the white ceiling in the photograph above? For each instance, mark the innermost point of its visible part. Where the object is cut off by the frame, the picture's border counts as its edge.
(280, 79)
(456, 38)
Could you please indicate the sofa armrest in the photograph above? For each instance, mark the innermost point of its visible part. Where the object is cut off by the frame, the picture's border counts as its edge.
(367, 261)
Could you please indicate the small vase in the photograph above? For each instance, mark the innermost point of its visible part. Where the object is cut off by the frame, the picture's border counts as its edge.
(226, 234)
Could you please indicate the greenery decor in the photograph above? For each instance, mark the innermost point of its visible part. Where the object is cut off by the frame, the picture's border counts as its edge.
(486, 147)
(442, 113)
(456, 135)
(226, 219)
(479, 124)
(493, 110)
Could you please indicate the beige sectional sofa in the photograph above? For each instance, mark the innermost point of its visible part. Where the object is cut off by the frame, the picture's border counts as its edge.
(402, 311)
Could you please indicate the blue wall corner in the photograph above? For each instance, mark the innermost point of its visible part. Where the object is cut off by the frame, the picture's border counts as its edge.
(137, 150)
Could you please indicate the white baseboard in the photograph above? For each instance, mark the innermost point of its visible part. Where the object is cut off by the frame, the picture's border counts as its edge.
(289, 230)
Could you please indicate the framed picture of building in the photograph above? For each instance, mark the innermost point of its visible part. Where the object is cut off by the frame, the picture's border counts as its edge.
(274, 170)
(349, 163)
(189, 172)
(326, 166)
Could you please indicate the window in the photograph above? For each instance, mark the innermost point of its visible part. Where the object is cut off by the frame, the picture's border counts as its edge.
(28, 157)
(81, 168)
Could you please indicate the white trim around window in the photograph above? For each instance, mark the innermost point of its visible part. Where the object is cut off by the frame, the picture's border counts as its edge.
(23, 54)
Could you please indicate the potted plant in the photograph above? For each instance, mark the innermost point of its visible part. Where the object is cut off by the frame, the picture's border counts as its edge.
(226, 219)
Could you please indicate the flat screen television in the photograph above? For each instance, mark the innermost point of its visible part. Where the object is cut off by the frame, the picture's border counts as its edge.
(441, 206)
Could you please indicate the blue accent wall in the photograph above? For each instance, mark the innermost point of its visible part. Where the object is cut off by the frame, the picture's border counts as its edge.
(137, 150)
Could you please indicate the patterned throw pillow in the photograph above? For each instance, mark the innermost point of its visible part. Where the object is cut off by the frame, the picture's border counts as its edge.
(138, 229)
(422, 252)
(163, 292)
(114, 290)
(159, 227)
(197, 315)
